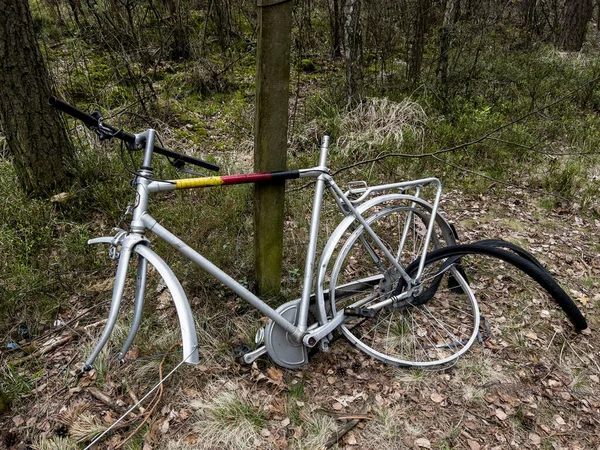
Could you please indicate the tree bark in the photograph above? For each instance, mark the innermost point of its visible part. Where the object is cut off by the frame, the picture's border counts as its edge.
(576, 15)
(417, 44)
(180, 47)
(41, 150)
(270, 140)
(352, 48)
(334, 21)
(445, 42)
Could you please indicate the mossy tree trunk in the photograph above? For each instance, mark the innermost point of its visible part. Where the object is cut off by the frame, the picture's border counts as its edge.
(36, 136)
(270, 138)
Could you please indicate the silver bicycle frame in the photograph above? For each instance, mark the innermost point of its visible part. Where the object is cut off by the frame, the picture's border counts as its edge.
(135, 242)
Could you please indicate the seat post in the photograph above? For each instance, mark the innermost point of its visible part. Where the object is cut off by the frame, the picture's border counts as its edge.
(324, 150)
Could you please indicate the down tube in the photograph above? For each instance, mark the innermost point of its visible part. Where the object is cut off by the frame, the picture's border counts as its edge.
(209, 267)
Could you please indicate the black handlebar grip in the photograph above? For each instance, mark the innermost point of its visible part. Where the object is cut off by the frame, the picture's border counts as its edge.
(63, 106)
(91, 121)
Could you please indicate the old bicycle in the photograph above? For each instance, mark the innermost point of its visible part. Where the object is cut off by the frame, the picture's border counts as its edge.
(375, 281)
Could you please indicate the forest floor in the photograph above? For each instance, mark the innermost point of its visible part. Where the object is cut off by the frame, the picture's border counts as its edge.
(533, 384)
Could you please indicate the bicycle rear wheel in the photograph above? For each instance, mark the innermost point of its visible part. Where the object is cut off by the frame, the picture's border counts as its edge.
(427, 330)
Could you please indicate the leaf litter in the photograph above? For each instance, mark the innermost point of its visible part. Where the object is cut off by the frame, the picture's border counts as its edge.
(533, 384)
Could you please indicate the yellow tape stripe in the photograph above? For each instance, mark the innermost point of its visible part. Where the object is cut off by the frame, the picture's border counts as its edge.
(198, 182)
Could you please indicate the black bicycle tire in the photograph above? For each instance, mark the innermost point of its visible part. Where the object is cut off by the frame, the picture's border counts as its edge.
(422, 298)
(539, 274)
(513, 247)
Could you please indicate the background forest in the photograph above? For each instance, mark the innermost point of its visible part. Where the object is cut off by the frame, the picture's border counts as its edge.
(498, 99)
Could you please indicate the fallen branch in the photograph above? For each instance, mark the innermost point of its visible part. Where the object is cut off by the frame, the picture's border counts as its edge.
(44, 350)
(103, 398)
(339, 434)
(344, 416)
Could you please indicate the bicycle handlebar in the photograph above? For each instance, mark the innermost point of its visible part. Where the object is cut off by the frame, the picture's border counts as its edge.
(93, 122)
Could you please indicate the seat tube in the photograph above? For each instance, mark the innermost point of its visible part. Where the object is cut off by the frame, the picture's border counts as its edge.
(312, 242)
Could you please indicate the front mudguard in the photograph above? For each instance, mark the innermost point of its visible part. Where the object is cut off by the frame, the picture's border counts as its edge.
(135, 243)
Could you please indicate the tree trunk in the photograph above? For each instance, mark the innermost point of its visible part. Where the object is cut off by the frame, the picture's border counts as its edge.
(352, 48)
(576, 15)
(334, 21)
(445, 42)
(270, 139)
(180, 47)
(417, 45)
(529, 14)
(34, 131)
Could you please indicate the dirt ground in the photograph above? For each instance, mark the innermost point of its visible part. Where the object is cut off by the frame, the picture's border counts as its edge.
(534, 383)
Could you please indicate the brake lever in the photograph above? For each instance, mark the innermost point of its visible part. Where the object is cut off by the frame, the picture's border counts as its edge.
(180, 166)
(101, 131)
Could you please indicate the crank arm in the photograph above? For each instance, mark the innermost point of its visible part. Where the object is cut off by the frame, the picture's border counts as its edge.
(252, 356)
(311, 338)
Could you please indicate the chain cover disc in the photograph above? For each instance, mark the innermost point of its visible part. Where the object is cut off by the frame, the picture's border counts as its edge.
(281, 348)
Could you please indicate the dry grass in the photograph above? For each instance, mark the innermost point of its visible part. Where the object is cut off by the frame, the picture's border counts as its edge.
(378, 122)
(315, 432)
(53, 444)
(85, 427)
(228, 417)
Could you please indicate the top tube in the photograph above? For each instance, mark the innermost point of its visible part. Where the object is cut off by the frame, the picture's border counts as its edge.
(191, 183)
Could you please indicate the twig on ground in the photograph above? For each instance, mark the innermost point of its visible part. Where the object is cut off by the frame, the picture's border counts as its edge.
(44, 350)
(344, 416)
(339, 434)
(136, 400)
(157, 397)
(105, 399)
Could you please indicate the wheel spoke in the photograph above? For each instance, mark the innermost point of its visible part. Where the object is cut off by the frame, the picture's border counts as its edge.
(432, 333)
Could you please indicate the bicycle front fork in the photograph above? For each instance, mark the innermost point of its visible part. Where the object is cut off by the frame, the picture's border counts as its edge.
(123, 246)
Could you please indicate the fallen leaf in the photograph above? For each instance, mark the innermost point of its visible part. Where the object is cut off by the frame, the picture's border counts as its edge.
(500, 414)
(275, 375)
(351, 439)
(265, 432)
(337, 406)
(63, 197)
(437, 398)
(531, 335)
(164, 427)
(18, 420)
(535, 439)
(190, 439)
(285, 422)
(559, 420)
(473, 445)
(423, 443)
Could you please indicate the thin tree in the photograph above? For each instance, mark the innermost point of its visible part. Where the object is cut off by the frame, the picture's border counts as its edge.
(417, 43)
(446, 42)
(335, 22)
(38, 142)
(352, 49)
